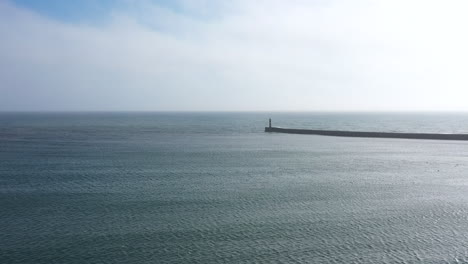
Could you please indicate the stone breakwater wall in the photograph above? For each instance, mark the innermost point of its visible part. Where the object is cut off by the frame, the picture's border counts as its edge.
(338, 133)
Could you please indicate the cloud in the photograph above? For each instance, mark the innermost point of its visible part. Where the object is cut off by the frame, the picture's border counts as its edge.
(239, 55)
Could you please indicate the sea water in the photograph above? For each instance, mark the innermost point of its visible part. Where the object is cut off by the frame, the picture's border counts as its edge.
(215, 188)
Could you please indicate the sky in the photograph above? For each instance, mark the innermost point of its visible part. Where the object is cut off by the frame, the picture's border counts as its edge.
(237, 55)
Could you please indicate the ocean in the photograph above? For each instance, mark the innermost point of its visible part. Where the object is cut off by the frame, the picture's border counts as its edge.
(215, 188)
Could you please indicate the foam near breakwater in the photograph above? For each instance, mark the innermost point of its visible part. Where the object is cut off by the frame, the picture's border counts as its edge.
(338, 133)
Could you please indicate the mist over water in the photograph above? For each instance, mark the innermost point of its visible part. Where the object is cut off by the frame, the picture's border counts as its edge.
(214, 188)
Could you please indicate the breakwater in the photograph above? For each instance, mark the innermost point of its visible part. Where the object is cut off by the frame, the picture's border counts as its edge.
(338, 133)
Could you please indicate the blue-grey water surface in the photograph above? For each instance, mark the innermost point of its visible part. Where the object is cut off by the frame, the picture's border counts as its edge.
(214, 188)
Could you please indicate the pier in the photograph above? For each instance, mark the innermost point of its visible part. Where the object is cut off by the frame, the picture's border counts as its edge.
(363, 134)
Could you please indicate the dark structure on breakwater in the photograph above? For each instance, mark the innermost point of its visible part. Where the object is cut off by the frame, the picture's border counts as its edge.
(339, 133)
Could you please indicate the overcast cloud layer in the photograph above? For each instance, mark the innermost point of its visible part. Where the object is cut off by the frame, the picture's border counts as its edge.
(332, 55)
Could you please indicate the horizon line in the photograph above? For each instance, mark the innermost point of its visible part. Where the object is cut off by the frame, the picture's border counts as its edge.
(234, 111)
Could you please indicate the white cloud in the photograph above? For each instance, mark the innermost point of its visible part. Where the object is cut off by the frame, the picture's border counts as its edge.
(243, 55)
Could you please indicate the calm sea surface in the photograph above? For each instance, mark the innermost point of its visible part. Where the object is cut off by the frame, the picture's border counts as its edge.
(214, 188)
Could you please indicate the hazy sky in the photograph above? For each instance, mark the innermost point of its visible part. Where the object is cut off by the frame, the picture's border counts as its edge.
(326, 55)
